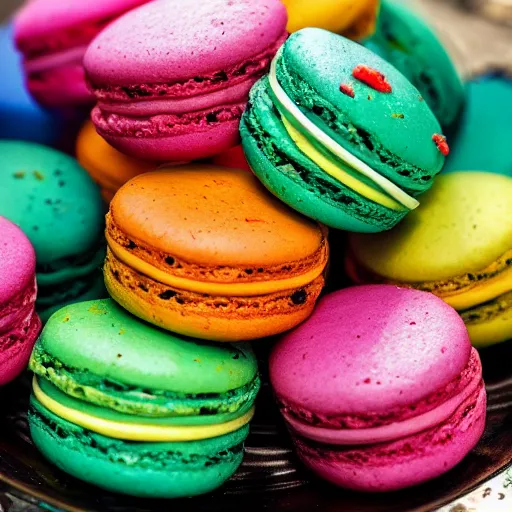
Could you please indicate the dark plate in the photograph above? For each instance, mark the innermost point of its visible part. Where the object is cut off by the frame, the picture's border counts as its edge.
(270, 478)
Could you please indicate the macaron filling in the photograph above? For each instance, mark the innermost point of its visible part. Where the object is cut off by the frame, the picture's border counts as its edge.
(265, 137)
(160, 109)
(399, 428)
(251, 69)
(339, 126)
(134, 428)
(161, 455)
(340, 422)
(295, 119)
(130, 399)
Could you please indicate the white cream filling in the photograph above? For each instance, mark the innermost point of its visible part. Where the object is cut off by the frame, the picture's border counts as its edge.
(290, 110)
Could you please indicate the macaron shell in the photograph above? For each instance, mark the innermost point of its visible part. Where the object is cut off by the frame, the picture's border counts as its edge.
(128, 351)
(339, 16)
(370, 349)
(432, 249)
(482, 141)
(213, 216)
(403, 463)
(18, 261)
(313, 55)
(110, 168)
(137, 48)
(164, 470)
(408, 43)
(52, 198)
(43, 18)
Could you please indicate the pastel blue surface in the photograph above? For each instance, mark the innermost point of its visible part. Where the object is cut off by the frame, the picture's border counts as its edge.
(20, 116)
(484, 140)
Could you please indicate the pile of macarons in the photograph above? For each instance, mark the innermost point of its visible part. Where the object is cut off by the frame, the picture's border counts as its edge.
(225, 150)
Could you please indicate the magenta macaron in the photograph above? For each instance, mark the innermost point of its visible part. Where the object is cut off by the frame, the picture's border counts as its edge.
(172, 78)
(53, 36)
(19, 323)
(380, 388)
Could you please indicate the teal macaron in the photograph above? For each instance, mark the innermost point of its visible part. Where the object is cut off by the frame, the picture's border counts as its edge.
(137, 410)
(340, 135)
(483, 141)
(407, 42)
(55, 202)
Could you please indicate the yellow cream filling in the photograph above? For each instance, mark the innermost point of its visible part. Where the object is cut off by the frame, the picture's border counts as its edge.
(495, 330)
(139, 432)
(336, 170)
(485, 291)
(250, 289)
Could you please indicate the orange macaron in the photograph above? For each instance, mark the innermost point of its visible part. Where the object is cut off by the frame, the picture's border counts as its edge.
(207, 252)
(108, 167)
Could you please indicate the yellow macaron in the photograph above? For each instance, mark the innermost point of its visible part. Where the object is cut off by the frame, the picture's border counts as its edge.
(457, 245)
(352, 19)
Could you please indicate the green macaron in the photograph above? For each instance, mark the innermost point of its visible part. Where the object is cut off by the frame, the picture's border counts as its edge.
(340, 135)
(60, 209)
(133, 409)
(407, 42)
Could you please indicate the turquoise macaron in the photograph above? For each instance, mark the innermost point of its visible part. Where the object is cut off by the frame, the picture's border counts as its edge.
(137, 410)
(407, 42)
(483, 141)
(340, 135)
(55, 202)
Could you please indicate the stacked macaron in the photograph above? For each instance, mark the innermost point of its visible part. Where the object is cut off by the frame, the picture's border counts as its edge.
(171, 81)
(19, 323)
(53, 36)
(347, 141)
(133, 409)
(59, 208)
(146, 393)
(458, 246)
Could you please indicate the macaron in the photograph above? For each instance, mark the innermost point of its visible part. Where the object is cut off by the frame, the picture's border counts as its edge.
(406, 41)
(457, 246)
(484, 134)
(171, 81)
(133, 409)
(206, 252)
(19, 323)
(20, 116)
(109, 168)
(353, 19)
(53, 36)
(380, 388)
(346, 141)
(59, 208)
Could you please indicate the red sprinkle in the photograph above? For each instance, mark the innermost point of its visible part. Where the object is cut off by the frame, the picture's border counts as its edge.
(441, 144)
(347, 89)
(371, 77)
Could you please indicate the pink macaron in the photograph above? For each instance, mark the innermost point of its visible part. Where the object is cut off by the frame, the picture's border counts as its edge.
(19, 323)
(172, 78)
(53, 36)
(380, 388)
